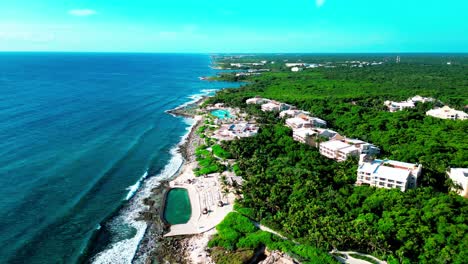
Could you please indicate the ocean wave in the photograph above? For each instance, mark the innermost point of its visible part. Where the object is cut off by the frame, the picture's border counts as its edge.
(123, 251)
(195, 97)
(134, 188)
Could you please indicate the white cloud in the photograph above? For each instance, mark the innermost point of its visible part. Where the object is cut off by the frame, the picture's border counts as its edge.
(319, 3)
(82, 12)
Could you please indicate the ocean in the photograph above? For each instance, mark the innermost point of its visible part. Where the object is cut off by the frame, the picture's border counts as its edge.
(83, 138)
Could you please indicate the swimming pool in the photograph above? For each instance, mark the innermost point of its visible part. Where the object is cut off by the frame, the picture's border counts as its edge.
(177, 209)
(221, 114)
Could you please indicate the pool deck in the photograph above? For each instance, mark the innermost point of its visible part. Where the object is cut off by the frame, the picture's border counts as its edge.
(203, 193)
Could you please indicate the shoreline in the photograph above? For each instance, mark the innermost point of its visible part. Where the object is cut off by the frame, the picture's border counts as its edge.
(153, 245)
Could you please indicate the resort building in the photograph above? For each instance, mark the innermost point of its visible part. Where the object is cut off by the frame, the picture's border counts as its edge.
(296, 64)
(293, 113)
(340, 148)
(297, 122)
(420, 99)
(459, 177)
(398, 106)
(304, 135)
(236, 131)
(387, 173)
(257, 100)
(317, 122)
(296, 69)
(275, 106)
(447, 113)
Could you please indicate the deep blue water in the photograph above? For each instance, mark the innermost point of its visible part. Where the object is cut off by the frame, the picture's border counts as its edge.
(76, 131)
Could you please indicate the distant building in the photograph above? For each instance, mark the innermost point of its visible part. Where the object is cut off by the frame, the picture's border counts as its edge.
(398, 106)
(275, 106)
(297, 122)
(317, 122)
(257, 100)
(304, 135)
(459, 176)
(296, 69)
(447, 113)
(420, 99)
(292, 113)
(296, 64)
(387, 173)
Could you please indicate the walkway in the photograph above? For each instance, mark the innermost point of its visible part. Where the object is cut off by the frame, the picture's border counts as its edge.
(351, 260)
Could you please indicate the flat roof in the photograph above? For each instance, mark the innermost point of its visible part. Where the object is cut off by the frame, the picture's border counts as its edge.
(334, 144)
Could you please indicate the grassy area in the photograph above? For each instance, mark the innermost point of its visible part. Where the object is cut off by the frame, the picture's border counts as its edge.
(237, 233)
(207, 163)
(220, 152)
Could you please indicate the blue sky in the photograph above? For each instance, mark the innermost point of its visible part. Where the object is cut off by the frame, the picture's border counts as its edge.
(234, 26)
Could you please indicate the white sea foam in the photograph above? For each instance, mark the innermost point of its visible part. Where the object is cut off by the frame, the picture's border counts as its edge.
(197, 96)
(124, 251)
(134, 188)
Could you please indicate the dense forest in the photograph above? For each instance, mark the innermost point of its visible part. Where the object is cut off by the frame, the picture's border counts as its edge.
(293, 189)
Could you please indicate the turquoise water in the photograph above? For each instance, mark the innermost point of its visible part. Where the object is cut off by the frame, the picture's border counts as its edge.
(221, 113)
(80, 136)
(177, 209)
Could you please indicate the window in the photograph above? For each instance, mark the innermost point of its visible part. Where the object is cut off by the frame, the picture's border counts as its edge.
(382, 179)
(399, 182)
(390, 185)
(391, 181)
(381, 183)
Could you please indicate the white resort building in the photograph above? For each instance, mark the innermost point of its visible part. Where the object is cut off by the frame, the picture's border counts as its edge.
(420, 99)
(297, 122)
(340, 148)
(387, 173)
(304, 135)
(459, 176)
(275, 106)
(447, 113)
(257, 100)
(292, 113)
(398, 106)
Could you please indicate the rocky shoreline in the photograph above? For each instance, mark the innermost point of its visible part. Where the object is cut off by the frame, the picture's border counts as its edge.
(154, 247)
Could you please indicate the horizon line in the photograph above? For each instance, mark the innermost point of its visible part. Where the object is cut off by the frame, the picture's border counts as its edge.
(234, 53)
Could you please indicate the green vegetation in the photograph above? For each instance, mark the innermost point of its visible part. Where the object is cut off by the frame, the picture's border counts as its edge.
(236, 233)
(207, 163)
(220, 152)
(292, 188)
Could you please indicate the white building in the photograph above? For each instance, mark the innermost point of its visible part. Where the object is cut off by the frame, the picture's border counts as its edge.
(257, 100)
(297, 122)
(317, 122)
(459, 176)
(340, 148)
(387, 173)
(303, 134)
(296, 69)
(295, 64)
(275, 106)
(292, 113)
(447, 113)
(398, 106)
(420, 99)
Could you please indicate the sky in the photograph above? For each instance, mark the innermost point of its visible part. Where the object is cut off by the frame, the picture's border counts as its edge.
(214, 26)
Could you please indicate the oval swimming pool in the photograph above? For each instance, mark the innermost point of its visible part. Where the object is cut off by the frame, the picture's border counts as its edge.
(177, 209)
